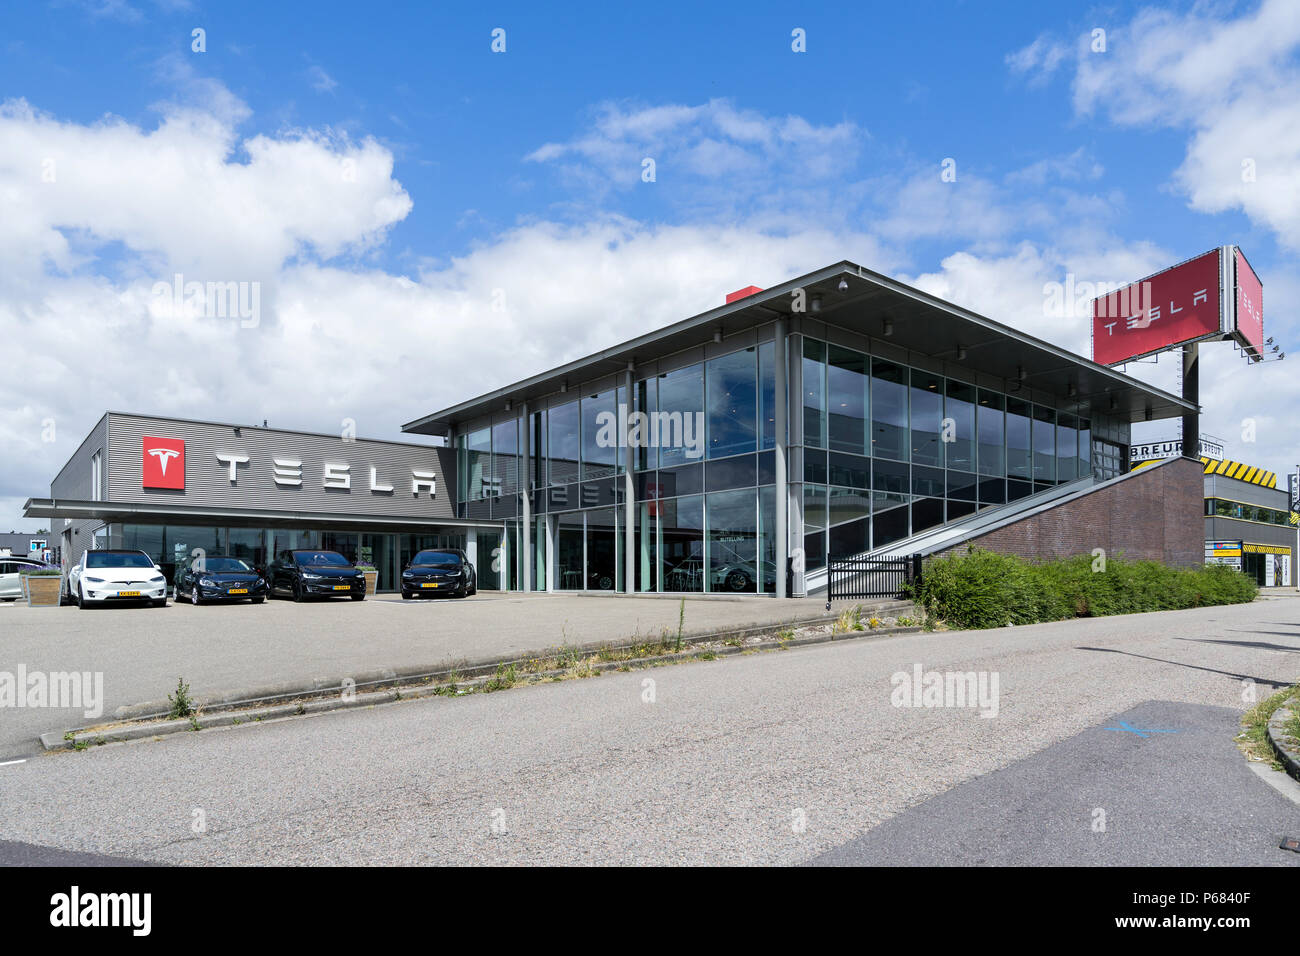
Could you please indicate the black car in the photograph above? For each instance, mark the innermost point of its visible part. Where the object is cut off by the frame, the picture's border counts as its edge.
(311, 573)
(220, 578)
(441, 571)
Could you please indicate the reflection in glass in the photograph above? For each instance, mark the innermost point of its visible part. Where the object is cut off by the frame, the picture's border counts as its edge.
(889, 438)
(846, 400)
(733, 403)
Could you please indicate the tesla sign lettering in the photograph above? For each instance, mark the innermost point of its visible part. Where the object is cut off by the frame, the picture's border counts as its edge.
(1249, 331)
(1170, 308)
(336, 475)
(163, 463)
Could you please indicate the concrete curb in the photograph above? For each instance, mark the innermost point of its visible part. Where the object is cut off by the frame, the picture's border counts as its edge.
(388, 676)
(155, 726)
(1287, 747)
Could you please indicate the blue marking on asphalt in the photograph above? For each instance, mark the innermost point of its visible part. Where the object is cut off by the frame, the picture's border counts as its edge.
(1144, 733)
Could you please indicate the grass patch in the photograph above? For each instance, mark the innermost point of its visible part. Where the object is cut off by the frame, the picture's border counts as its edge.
(1253, 739)
(978, 588)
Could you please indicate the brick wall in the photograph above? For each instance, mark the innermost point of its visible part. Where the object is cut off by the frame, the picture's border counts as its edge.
(1155, 514)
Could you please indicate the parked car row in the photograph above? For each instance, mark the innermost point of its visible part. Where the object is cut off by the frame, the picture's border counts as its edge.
(119, 575)
(11, 571)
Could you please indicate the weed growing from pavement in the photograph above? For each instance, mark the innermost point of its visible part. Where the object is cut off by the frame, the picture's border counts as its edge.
(182, 703)
(681, 623)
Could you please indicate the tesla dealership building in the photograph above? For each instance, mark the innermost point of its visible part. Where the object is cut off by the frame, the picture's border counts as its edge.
(739, 450)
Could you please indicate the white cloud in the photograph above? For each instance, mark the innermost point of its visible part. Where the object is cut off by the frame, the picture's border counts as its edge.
(1234, 83)
(1040, 58)
(320, 81)
(714, 141)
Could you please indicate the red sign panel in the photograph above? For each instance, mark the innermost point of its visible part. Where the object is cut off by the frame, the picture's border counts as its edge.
(163, 463)
(1249, 330)
(1170, 308)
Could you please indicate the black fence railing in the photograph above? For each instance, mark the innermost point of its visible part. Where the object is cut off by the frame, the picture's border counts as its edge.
(872, 577)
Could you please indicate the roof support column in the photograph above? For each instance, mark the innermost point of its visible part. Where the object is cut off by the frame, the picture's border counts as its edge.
(782, 481)
(526, 506)
(1192, 393)
(629, 488)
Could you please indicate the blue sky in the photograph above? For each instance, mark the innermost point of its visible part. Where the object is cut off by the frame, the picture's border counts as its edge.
(472, 172)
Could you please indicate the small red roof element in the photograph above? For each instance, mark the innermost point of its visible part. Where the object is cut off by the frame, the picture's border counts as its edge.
(741, 293)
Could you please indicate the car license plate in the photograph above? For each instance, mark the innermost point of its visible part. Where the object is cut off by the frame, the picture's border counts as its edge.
(238, 591)
(428, 585)
(342, 587)
(128, 593)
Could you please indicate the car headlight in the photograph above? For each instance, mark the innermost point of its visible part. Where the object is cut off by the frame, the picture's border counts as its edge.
(206, 582)
(408, 574)
(95, 580)
(309, 576)
(158, 579)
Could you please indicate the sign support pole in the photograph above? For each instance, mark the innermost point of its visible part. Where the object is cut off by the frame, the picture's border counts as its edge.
(1192, 394)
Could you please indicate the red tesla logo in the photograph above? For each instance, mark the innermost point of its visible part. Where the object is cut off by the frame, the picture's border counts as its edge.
(164, 463)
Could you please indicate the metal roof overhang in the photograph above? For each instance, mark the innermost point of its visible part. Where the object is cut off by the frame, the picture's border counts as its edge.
(921, 323)
(138, 511)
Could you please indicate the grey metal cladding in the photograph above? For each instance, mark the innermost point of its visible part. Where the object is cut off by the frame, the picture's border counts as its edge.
(73, 480)
(207, 479)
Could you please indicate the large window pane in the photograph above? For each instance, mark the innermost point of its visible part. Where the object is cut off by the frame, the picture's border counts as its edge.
(476, 480)
(814, 393)
(959, 406)
(505, 458)
(1085, 447)
(682, 543)
(602, 550)
(1067, 447)
(767, 394)
(889, 437)
(568, 552)
(849, 511)
(1044, 444)
(733, 541)
(600, 438)
(647, 402)
(991, 439)
(733, 403)
(681, 416)
(927, 418)
(814, 523)
(1019, 462)
(562, 444)
(767, 542)
(846, 400)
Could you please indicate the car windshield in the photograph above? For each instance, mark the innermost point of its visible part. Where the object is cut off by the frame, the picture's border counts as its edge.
(117, 559)
(220, 565)
(436, 558)
(321, 559)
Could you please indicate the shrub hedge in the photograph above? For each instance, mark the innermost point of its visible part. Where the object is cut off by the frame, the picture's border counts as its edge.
(979, 588)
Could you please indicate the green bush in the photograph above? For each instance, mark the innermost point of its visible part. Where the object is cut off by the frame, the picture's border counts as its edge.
(980, 588)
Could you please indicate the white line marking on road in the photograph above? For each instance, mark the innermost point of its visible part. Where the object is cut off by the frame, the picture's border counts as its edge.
(9, 762)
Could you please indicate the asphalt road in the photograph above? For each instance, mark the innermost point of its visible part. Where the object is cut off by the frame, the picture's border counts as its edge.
(141, 651)
(770, 758)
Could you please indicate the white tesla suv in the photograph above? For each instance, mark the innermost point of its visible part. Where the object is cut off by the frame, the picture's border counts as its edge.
(114, 576)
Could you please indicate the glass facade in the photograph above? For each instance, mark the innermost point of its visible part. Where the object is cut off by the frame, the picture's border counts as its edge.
(887, 451)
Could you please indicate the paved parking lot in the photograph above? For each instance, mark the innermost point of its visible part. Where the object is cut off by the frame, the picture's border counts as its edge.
(216, 648)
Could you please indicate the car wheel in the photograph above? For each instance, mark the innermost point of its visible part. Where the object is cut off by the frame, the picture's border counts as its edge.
(738, 581)
(194, 596)
(161, 602)
(257, 600)
(81, 600)
(298, 596)
(406, 595)
(357, 597)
